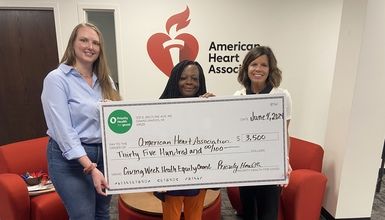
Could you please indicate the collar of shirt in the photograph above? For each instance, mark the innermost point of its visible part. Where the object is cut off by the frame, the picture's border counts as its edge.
(71, 70)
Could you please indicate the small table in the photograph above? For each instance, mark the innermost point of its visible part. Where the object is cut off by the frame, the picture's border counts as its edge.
(147, 203)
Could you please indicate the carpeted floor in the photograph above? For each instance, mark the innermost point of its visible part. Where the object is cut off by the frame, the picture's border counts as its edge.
(228, 213)
(378, 209)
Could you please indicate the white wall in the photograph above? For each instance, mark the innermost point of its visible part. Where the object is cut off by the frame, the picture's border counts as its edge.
(352, 25)
(355, 130)
(303, 35)
(329, 52)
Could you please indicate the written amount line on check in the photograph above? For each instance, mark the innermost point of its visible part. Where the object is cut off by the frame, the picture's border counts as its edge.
(191, 146)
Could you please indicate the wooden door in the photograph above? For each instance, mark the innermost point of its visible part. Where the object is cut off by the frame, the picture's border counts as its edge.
(28, 51)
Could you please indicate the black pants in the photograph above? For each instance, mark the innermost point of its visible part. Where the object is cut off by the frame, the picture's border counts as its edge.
(260, 202)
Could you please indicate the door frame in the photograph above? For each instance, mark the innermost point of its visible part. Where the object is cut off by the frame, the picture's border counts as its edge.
(82, 7)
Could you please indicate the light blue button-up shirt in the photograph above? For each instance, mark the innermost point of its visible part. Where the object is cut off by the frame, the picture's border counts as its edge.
(71, 110)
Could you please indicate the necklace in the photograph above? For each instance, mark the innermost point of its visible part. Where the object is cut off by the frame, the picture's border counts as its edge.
(83, 75)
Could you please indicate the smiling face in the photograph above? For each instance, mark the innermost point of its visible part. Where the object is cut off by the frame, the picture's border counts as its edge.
(189, 81)
(86, 46)
(258, 71)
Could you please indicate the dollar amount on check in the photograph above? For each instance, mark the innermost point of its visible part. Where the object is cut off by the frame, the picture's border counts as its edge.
(194, 143)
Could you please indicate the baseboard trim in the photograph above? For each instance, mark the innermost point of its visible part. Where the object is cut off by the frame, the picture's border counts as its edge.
(328, 216)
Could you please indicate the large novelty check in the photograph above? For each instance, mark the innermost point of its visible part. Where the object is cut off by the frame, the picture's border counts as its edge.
(194, 143)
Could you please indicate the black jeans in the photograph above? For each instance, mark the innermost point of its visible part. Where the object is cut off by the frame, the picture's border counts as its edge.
(260, 202)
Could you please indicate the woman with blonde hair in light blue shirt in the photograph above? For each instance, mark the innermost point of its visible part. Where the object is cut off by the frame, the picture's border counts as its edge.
(71, 95)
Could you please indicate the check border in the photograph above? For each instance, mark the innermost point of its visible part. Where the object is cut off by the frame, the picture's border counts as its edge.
(104, 106)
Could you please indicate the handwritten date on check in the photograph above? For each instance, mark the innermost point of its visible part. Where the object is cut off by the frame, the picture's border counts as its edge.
(194, 143)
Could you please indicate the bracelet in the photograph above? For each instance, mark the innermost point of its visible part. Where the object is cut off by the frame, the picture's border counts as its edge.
(90, 167)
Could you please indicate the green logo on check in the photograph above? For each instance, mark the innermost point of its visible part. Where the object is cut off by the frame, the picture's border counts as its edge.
(120, 121)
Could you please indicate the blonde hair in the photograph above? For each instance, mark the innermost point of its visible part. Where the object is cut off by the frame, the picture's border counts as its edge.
(100, 66)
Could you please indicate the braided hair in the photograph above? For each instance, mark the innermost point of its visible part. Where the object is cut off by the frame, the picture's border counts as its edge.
(172, 88)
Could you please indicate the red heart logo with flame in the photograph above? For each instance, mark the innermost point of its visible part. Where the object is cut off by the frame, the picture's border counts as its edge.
(163, 49)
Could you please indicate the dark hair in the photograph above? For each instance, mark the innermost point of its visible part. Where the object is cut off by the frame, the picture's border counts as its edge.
(172, 88)
(275, 74)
